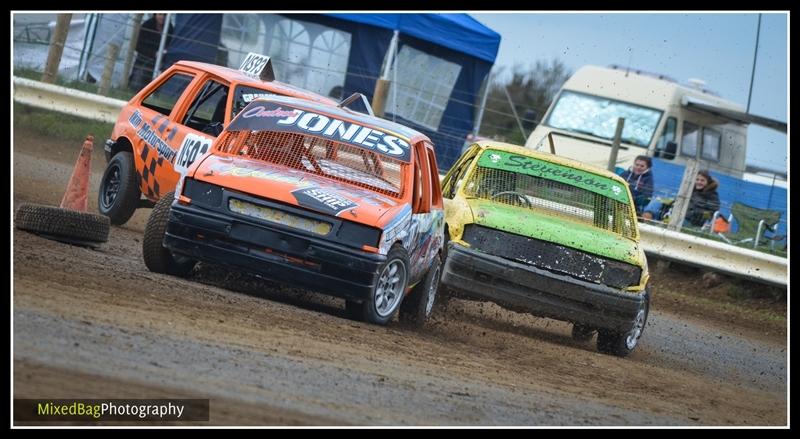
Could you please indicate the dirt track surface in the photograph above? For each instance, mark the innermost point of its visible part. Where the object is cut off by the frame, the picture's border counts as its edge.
(97, 324)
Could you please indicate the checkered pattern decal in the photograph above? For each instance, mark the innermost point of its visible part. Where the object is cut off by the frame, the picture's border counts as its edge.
(147, 178)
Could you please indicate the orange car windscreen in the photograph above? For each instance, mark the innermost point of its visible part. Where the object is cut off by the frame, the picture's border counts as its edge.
(336, 160)
(280, 117)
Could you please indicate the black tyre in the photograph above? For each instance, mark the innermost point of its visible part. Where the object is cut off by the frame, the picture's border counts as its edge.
(63, 225)
(158, 258)
(118, 196)
(582, 333)
(387, 292)
(622, 344)
(443, 293)
(416, 307)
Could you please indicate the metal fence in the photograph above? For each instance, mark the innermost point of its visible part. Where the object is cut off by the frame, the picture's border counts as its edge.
(86, 52)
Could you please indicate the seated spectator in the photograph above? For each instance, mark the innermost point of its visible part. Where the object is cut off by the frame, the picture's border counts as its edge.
(702, 205)
(640, 180)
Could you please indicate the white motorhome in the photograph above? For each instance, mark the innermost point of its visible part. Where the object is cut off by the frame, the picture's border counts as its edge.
(663, 119)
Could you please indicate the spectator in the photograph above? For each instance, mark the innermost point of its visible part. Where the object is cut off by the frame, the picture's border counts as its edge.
(702, 205)
(146, 49)
(640, 180)
(704, 201)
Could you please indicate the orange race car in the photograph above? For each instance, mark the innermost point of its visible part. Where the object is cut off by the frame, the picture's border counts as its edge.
(315, 196)
(173, 121)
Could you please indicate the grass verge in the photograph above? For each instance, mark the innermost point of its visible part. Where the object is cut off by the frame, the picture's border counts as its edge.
(736, 304)
(58, 125)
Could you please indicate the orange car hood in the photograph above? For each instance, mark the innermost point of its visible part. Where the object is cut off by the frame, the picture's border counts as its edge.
(298, 188)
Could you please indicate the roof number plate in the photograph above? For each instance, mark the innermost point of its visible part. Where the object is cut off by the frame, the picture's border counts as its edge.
(258, 66)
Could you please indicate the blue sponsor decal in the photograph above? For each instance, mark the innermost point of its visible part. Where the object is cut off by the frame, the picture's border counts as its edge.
(146, 132)
(136, 119)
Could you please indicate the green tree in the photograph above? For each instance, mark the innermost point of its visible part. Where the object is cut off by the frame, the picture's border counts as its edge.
(531, 90)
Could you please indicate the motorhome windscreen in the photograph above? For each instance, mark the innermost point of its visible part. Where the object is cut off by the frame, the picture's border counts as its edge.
(597, 116)
(551, 197)
(315, 155)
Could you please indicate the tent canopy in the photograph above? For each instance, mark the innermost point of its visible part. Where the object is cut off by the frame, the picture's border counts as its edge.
(456, 39)
(458, 32)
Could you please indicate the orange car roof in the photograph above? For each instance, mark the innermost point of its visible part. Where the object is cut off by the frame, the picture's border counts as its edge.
(238, 77)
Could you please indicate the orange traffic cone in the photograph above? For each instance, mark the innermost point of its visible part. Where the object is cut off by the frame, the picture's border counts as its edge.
(76, 196)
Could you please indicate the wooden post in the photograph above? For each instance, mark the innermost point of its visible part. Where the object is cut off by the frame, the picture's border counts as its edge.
(552, 144)
(108, 69)
(56, 48)
(382, 84)
(126, 70)
(681, 205)
(379, 97)
(612, 159)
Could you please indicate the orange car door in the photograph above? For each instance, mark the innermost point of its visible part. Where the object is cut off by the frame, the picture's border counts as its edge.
(154, 143)
(200, 122)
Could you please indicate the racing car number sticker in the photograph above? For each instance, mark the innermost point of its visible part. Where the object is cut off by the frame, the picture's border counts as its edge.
(253, 64)
(193, 147)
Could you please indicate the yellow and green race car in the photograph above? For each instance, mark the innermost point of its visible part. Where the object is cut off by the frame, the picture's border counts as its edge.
(538, 233)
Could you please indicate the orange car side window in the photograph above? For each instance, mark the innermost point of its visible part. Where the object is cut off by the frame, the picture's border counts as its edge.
(164, 98)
